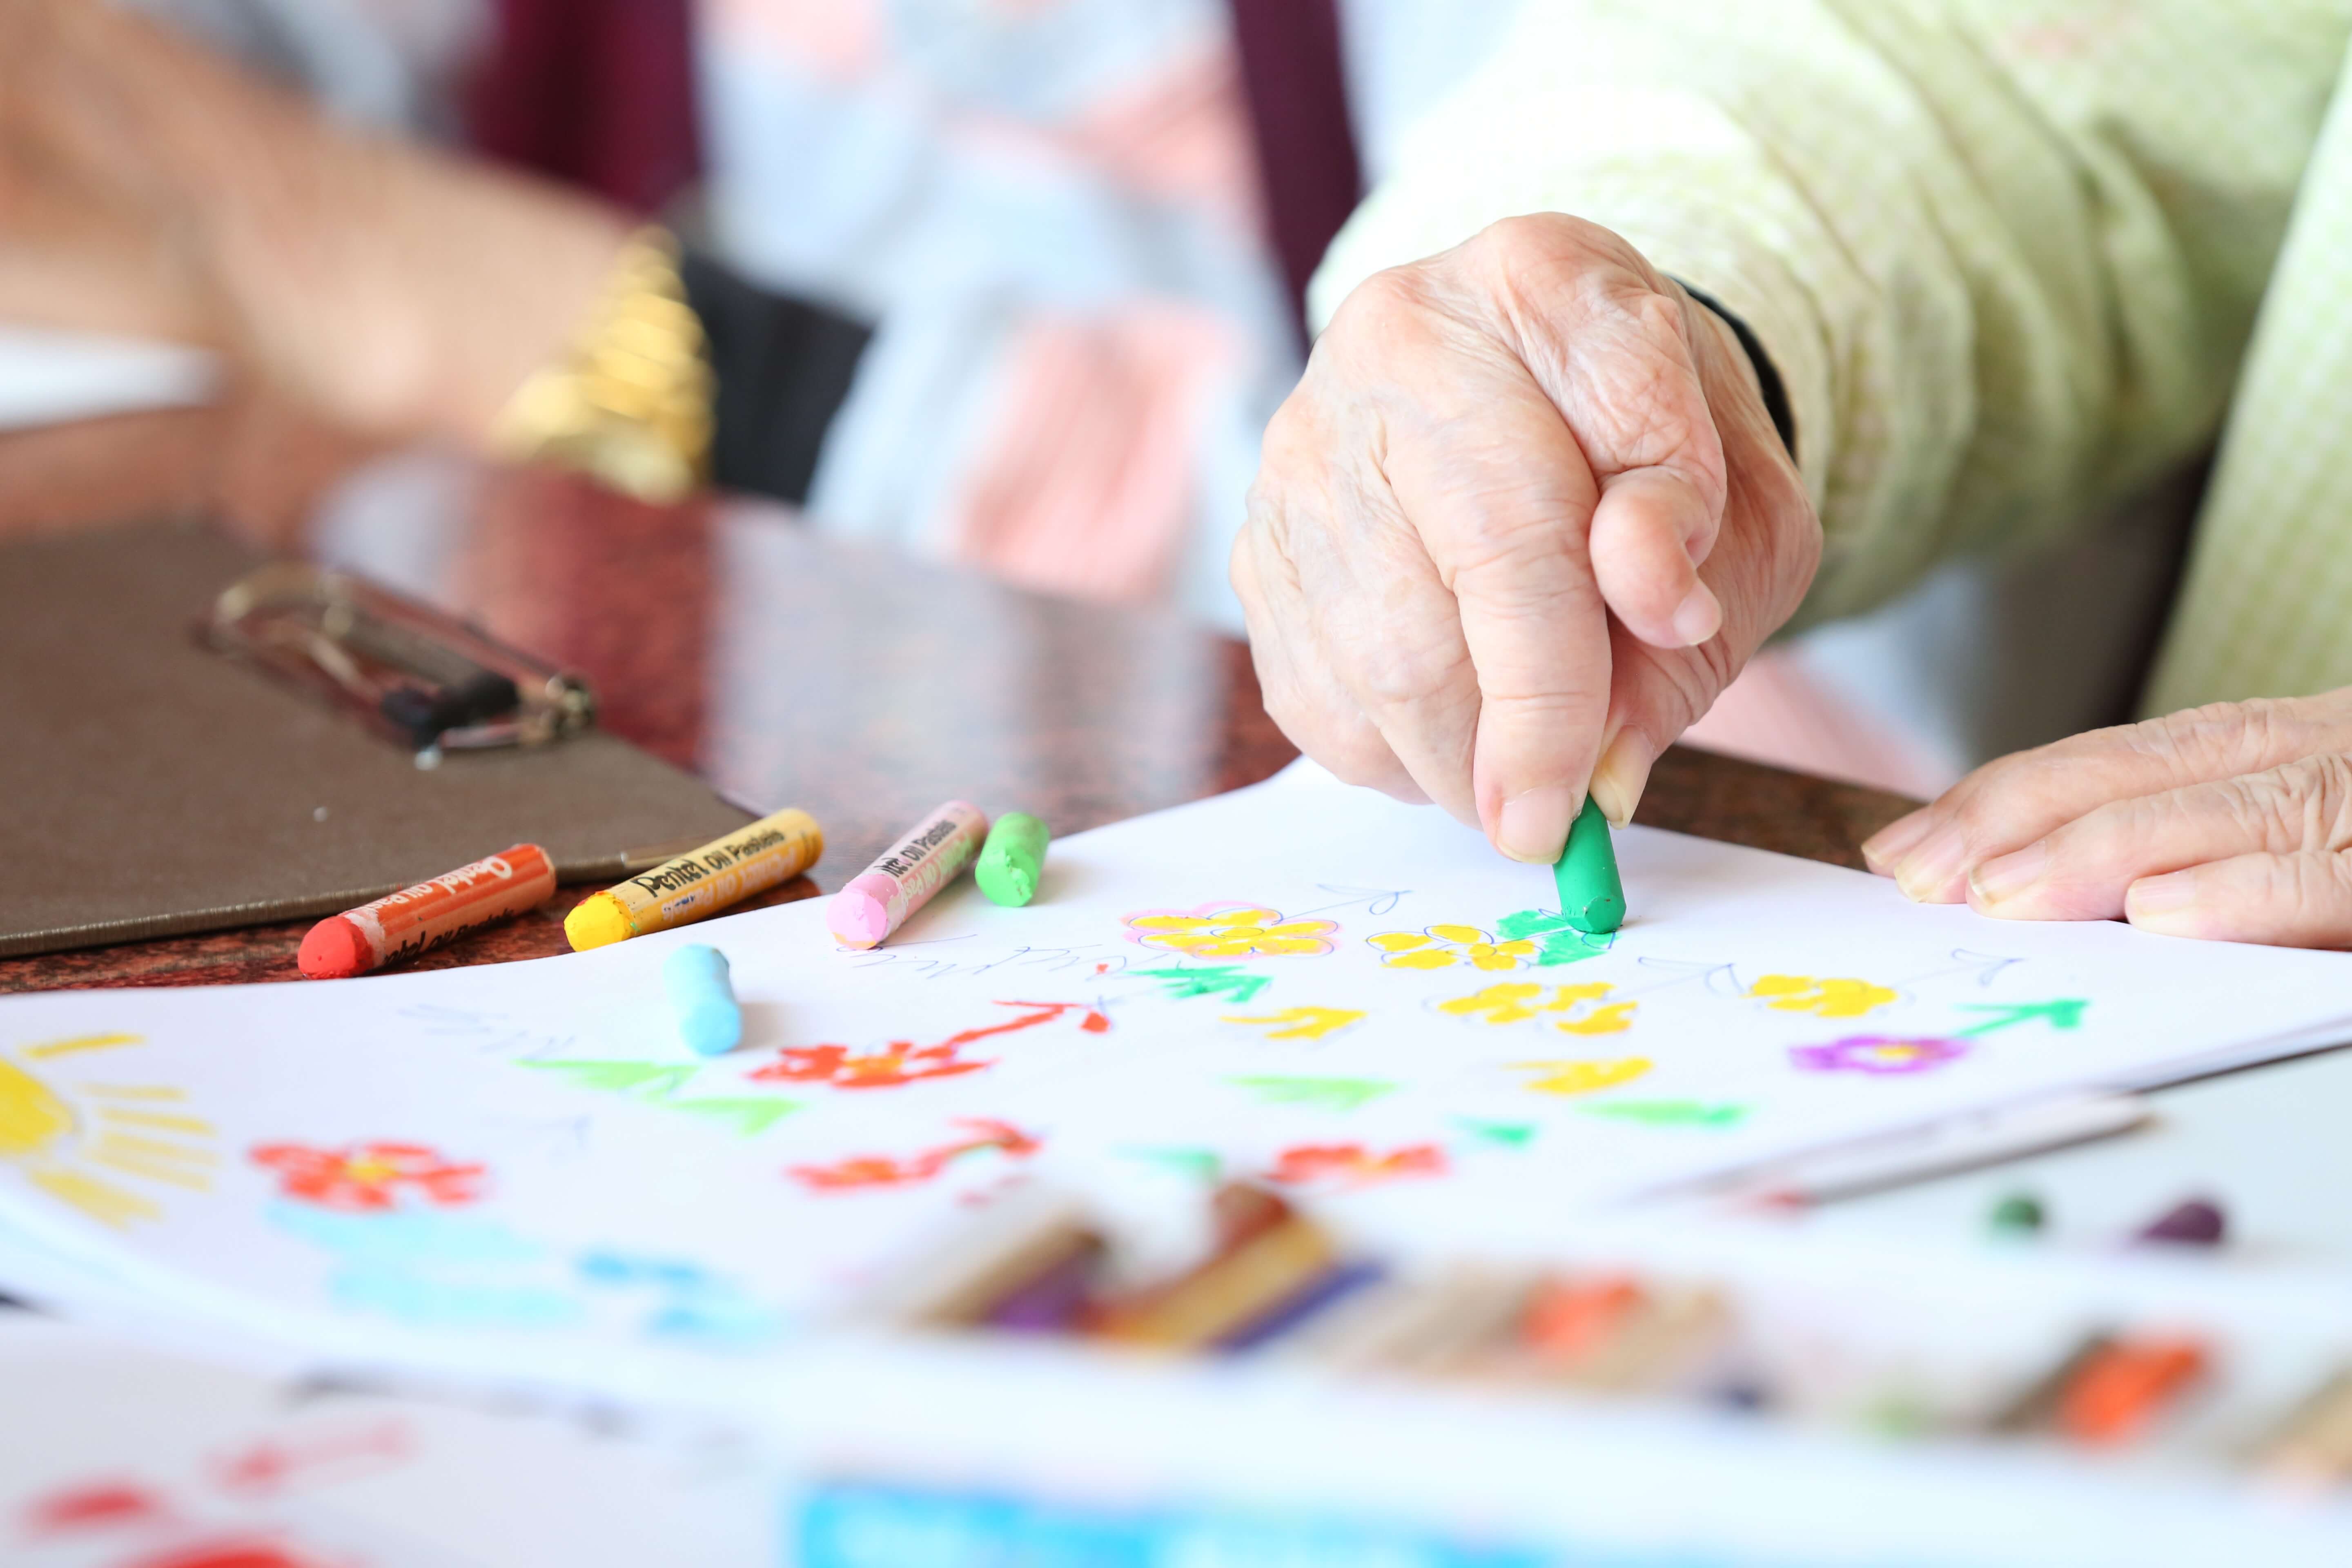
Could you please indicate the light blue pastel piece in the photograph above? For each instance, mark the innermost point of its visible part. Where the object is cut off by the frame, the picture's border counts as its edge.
(702, 995)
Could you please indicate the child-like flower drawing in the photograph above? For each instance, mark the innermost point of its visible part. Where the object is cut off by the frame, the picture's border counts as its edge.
(1231, 930)
(1442, 947)
(1516, 1001)
(1353, 1165)
(902, 1062)
(1585, 1076)
(1879, 1055)
(369, 1177)
(865, 1171)
(895, 1064)
(1833, 998)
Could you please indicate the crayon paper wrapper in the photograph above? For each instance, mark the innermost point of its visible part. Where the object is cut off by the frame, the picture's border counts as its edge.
(692, 886)
(947, 854)
(489, 889)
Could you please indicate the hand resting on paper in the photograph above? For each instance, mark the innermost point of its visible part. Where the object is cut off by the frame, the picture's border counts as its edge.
(1522, 520)
(2232, 822)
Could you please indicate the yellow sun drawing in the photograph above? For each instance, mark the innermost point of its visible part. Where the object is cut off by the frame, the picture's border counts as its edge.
(72, 1140)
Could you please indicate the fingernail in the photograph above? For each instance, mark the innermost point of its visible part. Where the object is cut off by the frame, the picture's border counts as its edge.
(1533, 825)
(2165, 904)
(1882, 848)
(1698, 618)
(1930, 874)
(1622, 775)
(2009, 876)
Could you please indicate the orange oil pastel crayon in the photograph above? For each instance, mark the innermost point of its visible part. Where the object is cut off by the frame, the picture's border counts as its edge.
(2118, 1392)
(400, 925)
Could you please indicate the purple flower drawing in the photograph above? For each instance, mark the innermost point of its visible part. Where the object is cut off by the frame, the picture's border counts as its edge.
(1879, 1054)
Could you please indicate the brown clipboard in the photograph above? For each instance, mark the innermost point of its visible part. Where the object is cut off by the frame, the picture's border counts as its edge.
(151, 787)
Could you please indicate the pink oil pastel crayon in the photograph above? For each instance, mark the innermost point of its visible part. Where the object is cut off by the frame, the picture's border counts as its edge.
(879, 900)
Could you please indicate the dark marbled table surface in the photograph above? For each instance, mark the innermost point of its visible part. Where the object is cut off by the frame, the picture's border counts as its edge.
(864, 688)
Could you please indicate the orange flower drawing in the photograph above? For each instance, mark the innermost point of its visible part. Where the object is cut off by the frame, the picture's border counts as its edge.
(1231, 930)
(369, 1177)
(903, 1062)
(866, 1171)
(895, 1064)
(1352, 1165)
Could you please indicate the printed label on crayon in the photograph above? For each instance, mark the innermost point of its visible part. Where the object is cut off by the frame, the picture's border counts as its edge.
(924, 861)
(725, 871)
(902, 860)
(401, 924)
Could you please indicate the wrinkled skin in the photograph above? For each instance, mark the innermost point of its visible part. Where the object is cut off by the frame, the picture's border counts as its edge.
(2232, 822)
(149, 187)
(1521, 522)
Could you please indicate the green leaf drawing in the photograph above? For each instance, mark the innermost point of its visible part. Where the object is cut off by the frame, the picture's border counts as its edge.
(1669, 1113)
(1203, 1165)
(647, 1080)
(751, 1116)
(657, 1084)
(1214, 980)
(1506, 1134)
(1324, 1093)
(1558, 941)
(2063, 1013)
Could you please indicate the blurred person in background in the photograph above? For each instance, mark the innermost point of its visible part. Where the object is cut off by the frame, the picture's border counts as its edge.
(1008, 284)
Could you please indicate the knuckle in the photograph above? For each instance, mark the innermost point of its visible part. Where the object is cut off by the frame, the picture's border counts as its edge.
(1397, 672)
(1354, 754)
(2300, 805)
(1502, 550)
(1547, 243)
(2302, 883)
(1998, 795)
(1390, 307)
(2235, 736)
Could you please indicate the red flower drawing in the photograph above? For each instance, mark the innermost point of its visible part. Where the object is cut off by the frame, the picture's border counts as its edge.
(902, 1062)
(364, 1177)
(1352, 1165)
(862, 1171)
(95, 1505)
(895, 1065)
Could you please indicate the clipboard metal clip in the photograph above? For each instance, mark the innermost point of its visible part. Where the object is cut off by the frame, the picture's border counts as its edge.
(409, 672)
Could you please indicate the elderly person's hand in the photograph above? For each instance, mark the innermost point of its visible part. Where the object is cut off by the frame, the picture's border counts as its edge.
(149, 187)
(1526, 514)
(2232, 822)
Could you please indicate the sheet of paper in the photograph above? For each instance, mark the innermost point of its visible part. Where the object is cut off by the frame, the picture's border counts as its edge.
(522, 1168)
(49, 377)
(116, 1454)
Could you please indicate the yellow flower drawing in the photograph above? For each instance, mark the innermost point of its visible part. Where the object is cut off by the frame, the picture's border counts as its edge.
(1585, 1076)
(1442, 947)
(1230, 930)
(1516, 1001)
(1299, 1023)
(1833, 998)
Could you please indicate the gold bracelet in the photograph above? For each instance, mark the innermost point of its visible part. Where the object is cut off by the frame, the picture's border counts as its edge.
(629, 404)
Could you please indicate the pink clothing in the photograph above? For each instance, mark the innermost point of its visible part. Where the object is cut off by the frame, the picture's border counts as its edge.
(1051, 207)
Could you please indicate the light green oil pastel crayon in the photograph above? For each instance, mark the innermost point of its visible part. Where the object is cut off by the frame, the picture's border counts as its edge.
(1013, 861)
(1591, 897)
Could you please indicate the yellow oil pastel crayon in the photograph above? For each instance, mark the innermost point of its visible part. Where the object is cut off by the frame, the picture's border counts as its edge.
(699, 885)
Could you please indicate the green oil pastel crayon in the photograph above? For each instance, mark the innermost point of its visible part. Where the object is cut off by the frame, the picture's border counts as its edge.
(2020, 1214)
(1591, 896)
(1013, 861)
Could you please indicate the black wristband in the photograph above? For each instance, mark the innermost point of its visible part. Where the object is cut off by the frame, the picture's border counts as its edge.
(782, 368)
(1767, 374)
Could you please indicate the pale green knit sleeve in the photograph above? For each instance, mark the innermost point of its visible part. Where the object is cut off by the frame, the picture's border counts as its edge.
(2005, 254)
